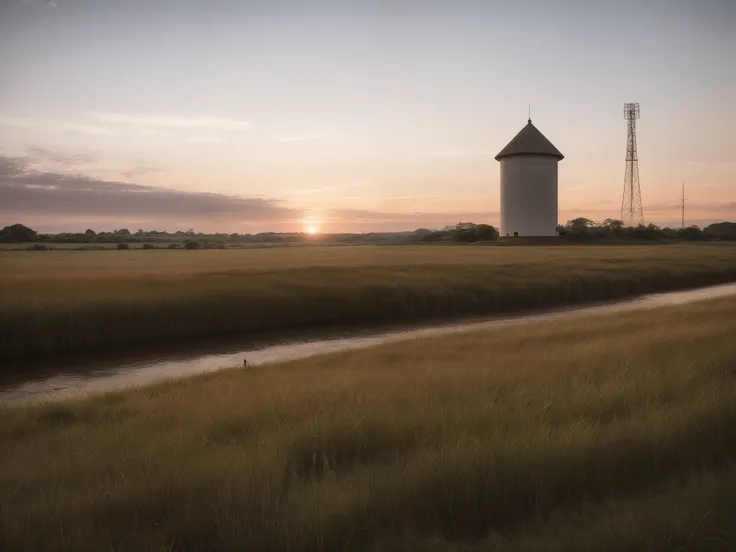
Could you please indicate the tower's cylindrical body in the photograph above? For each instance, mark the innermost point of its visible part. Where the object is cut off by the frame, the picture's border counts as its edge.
(529, 195)
(529, 185)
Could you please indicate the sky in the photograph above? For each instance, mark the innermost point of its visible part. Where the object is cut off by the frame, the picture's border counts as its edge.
(353, 115)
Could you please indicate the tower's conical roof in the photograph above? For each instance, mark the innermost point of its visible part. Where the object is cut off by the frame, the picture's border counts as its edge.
(529, 141)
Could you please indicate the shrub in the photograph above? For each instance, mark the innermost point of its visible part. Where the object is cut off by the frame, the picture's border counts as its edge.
(191, 244)
(123, 246)
(17, 233)
(149, 246)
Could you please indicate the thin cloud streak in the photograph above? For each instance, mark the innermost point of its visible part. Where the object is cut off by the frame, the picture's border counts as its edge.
(723, 208)
(325, 189)
(18, 122)
(450, 154)
(140, 171)
(169, 121)
(64, 126)
(46, 156)
(361, 215)
(117, 124)
(86, 129)
(298, 138)
(50, 3)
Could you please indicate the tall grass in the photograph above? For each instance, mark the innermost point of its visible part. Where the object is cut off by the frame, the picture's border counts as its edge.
(612, 435)
(77, 301)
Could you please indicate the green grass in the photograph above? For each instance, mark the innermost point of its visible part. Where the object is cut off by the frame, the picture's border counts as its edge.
(607, 434)
(66, 301)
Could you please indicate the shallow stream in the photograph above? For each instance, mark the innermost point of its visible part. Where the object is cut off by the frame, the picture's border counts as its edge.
(56, 380)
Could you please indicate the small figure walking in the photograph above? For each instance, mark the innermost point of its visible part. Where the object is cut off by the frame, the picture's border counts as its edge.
(245, 362)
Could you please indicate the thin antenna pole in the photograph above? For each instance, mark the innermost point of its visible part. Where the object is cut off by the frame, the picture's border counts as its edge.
(530, 112)
(683, 205)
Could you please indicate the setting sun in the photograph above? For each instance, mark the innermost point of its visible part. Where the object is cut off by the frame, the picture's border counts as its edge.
(312, 230)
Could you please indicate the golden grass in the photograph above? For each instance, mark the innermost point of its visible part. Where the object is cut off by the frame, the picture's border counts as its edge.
(65, 301)
(613, 433)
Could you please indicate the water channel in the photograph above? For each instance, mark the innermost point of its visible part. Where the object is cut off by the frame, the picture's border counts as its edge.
(65, 378)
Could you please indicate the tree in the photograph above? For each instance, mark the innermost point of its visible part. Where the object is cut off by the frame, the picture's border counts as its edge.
(464, 232)
(433, 236)
(614, 226)
(578, 229)
(721, 231)
(486, 232)
(470, 232)
(191, 244)
(691, 233)
(648, 232)
(89, 232)
(18, 233)
(579, 224)
(123, 246)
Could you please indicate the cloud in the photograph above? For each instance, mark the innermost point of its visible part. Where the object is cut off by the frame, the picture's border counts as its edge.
(454, 153)
(45, 156)
(18, 122)
(65, 126)
(725, 208)
(140, 170)
(86, 129)
(413, 197)
(299, 138)
(27, 191)
(361, 215)
(206, 140)
(51, 3)
(40, 160)
(169, 121)
(12, 167)
(112, 124)
(325, 189)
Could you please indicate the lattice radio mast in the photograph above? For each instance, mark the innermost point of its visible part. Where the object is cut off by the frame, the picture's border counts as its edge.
(631, 209)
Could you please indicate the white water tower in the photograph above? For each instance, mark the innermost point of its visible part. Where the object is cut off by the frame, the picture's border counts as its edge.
(529, 185)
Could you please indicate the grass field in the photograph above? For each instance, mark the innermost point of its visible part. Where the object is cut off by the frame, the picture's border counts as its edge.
(65, 301)
(609, 434)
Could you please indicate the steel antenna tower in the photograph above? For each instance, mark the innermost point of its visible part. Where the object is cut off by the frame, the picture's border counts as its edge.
(631, 209)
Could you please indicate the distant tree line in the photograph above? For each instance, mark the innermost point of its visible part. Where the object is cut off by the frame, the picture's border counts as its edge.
(462, 232)
(583, 229)
(576, 230)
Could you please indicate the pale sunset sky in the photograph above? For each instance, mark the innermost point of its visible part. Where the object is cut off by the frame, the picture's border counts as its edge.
(352, 115)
